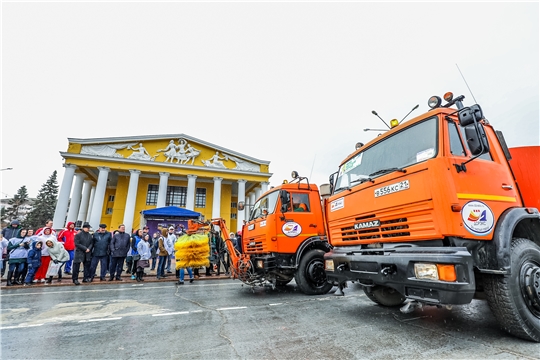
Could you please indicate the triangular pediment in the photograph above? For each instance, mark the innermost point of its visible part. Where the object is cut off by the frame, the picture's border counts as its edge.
(180, 149)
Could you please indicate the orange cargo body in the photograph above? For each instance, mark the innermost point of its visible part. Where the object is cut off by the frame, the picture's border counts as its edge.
(525, 164)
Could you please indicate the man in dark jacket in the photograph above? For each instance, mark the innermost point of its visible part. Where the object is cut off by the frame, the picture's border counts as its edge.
(12, 230)
(100, 252)
(9, 232)
(83, 254)
(119, 248)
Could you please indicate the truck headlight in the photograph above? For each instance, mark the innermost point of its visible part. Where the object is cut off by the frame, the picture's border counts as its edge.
(443, 272)
(426, 271)
(329, 265)
(260, 264)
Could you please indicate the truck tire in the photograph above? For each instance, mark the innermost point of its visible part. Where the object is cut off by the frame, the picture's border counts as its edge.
(310, 276)
(385, 296)
(515, 299)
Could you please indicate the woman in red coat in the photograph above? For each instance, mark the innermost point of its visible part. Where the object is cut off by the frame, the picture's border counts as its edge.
(45, 258)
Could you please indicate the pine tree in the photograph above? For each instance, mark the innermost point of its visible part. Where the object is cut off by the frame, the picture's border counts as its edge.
(13, 210)
(45, 204)
(3, 216)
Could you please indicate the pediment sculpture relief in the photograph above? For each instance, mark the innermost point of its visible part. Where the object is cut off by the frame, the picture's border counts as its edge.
(110, 150)
(105, 150)
(183, 153)
(216, 161)
(140, 153)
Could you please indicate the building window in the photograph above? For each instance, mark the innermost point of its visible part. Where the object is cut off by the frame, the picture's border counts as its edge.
(111, 198)
(108, 211)
(200, 198)
(152, 194)
(176, 196)
(233, 205)
(233, 216)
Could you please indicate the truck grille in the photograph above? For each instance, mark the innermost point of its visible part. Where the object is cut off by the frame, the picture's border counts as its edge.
(388, 229)
(412, 222)
(254, 246)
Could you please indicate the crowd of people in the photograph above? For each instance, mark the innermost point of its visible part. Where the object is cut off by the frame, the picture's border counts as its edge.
(31, 257)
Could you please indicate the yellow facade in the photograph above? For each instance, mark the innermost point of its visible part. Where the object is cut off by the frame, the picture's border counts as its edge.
(176, 156)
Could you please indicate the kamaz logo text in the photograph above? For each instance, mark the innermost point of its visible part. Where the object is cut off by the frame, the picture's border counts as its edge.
(367, 224)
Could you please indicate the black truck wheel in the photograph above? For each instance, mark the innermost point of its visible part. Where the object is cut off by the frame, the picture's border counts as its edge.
(310, 276)
(515, 299)
(384, 296)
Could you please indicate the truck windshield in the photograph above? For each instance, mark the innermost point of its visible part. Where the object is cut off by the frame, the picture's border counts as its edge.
(266, 205)
(412, 145)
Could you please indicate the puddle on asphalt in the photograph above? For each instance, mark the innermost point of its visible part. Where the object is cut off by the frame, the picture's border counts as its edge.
(77, 311)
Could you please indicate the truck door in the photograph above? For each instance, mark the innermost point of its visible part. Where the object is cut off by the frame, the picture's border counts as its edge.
(485, 189)
(298, 224)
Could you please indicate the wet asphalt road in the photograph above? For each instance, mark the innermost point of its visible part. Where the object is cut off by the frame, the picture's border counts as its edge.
(221, 319)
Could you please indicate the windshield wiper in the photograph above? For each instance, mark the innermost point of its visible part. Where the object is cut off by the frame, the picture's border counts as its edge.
(389, 170)
(363, 180)
(342, 188)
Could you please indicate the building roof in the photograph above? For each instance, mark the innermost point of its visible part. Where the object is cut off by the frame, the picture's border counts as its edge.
(140, 138)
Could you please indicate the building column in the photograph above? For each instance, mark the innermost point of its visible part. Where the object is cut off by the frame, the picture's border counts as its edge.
(241, 214)
(99, 197)
(190, 199)
(131, 199)
(216, 206)
(252, 199)
(63, 197)
(264, 186)
(257, 192)
(162, 192)
(83, 209)
(90, 204)
(75, 198)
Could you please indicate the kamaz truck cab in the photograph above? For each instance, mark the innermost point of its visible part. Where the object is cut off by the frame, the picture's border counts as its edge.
(435, 211)
(285, 238)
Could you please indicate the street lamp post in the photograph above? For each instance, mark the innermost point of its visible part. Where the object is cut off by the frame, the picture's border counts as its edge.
(6, 169)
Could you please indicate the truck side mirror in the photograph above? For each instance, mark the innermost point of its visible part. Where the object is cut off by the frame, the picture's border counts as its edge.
(241, 205)
(331, 180)
(470, 115)
(325, 190)
(285, 200)
(476, 139)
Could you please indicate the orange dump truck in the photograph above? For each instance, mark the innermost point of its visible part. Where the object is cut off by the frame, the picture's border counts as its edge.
(438, 210)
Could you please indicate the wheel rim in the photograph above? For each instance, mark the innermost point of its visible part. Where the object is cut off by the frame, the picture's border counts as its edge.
(530, 286)
(316, 274)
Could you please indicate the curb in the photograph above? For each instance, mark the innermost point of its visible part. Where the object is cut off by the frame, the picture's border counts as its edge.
(126, 279)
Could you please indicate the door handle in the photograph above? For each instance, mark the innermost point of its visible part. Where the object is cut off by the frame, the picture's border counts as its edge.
(507, 187)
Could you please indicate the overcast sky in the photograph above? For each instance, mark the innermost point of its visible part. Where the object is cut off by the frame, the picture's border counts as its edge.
(291, 83)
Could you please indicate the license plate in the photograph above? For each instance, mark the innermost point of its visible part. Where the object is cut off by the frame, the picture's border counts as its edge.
(386, 190)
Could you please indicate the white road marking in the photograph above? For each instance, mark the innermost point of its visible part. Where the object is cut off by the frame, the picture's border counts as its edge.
(276, 304)
(19, 326)
(232, 308)
(174, 313)
(103, 319)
